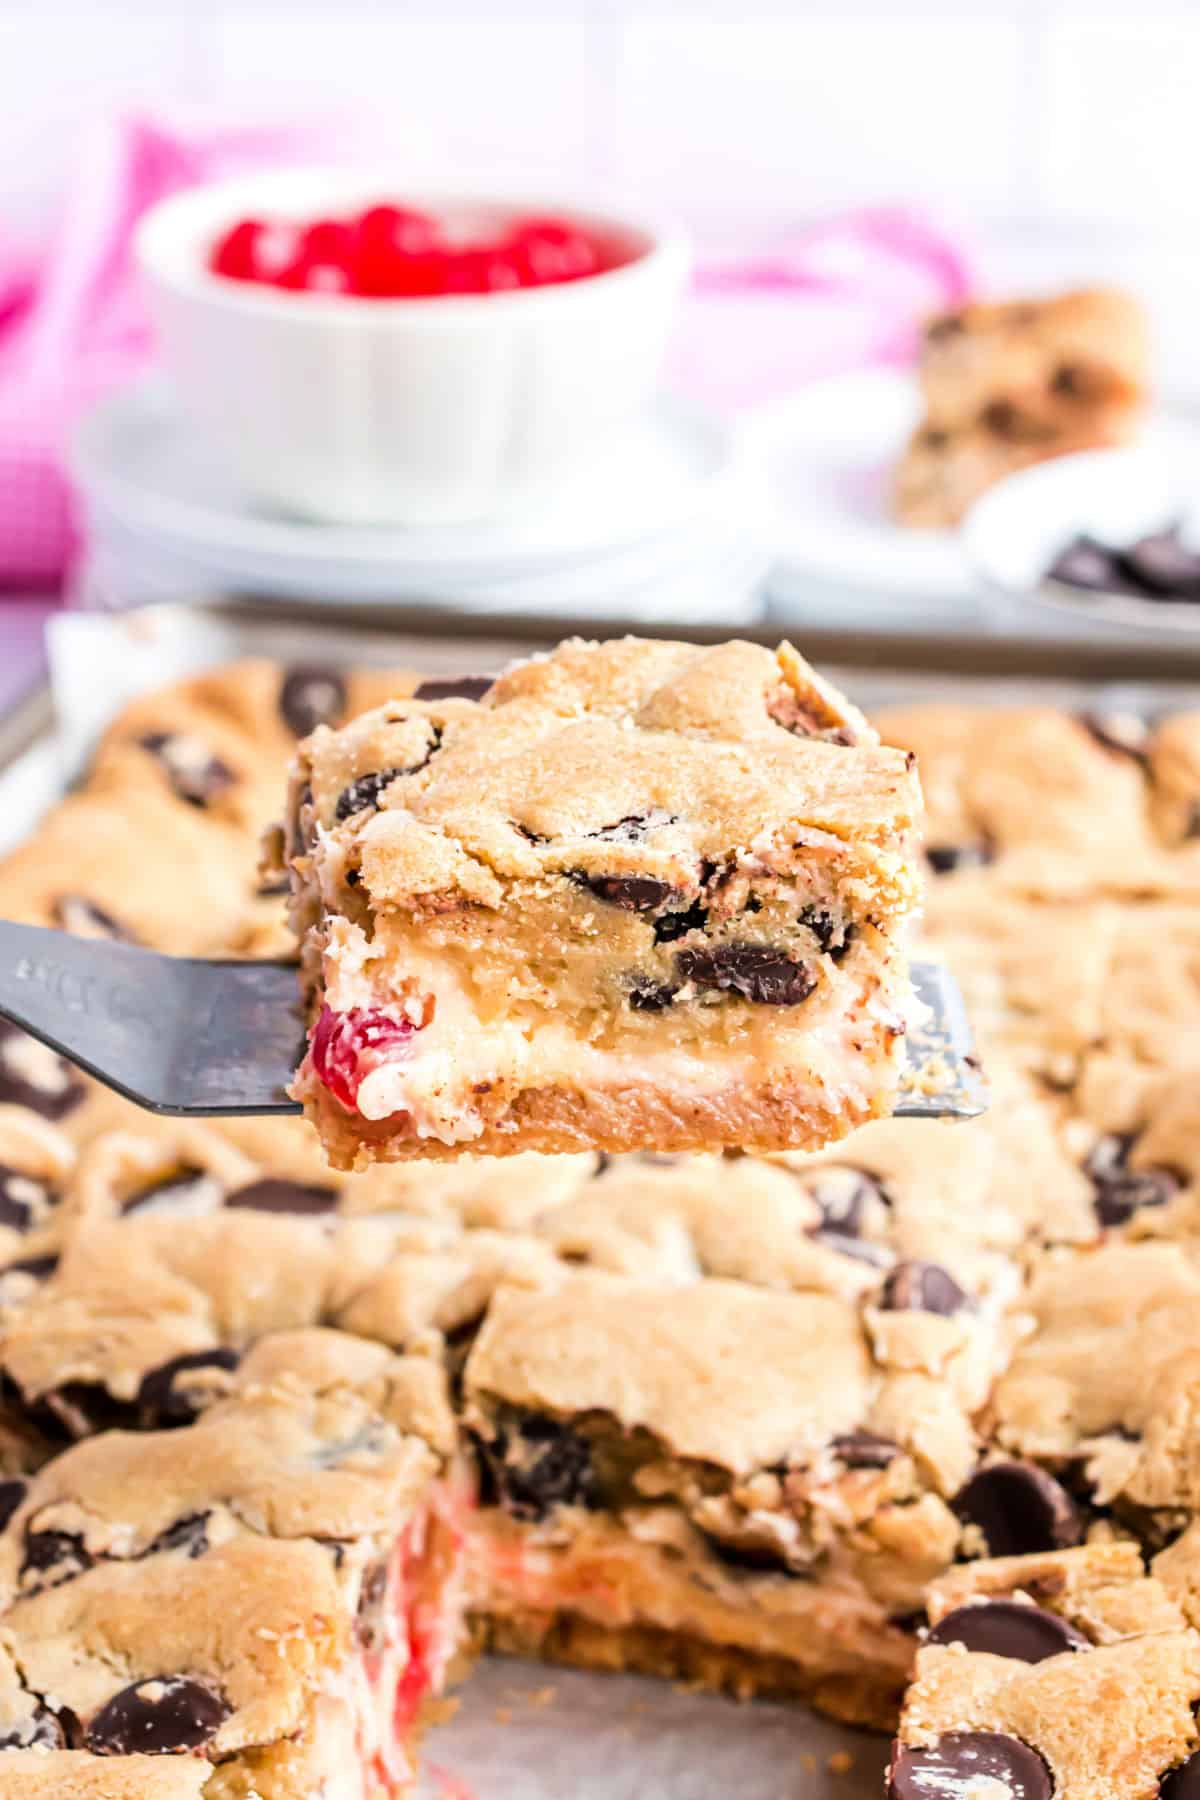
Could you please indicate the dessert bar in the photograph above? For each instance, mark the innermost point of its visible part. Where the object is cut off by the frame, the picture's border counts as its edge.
(1007, 385)
(635, 895)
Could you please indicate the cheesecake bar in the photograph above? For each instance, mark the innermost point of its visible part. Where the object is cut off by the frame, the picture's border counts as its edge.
(748, 1487)
(637, 895)
(1008, 385)
(269, 1597)
(1075, 1673)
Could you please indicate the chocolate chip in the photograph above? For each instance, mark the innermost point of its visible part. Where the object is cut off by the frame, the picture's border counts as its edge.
(1163, 565)
(1072, 381)
(11, 1495)
(22, 1198)
(755, 1559)
(462, 687)
(33, 1076)
(632, 893)
(649, 996)
(1183, 1782)
(193, 771)
(941, 330)
(922, 1287)
(365, 792)
(42, 1730)
(276, 1196)
(943, 859)
(1007, 421)
(83, 918)
(370, 1624)
(189, 1534)
(167, 1397)
(1019, 1509)
(270, 890)
(85, 1407)
(36, 1267)
(1123, 733)
(755, 972)
(1011, 1628)
(833, 935)
(160, 1716)
(859, 1249)
(185, 1194)
(864, 1450)
(965, 1763)
(542, 1465)
(1120, 1190)
(1086, 563)
(309, 697)
(844, 1195)
(57, 1553)
(669, 926)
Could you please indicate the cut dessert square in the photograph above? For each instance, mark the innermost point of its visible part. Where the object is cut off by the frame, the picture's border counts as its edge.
(271, 1591)
(746, 1487)
(1007, 385)
(1075, 1674)
(638, 895)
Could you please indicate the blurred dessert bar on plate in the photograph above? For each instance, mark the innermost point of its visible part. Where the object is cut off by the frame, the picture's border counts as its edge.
(1005, 385)
(631, 895)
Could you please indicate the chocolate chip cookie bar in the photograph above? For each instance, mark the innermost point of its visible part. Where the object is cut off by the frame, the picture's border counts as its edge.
(1008, 385)
(268, 1596)
(635, 895)
(1074, 1673)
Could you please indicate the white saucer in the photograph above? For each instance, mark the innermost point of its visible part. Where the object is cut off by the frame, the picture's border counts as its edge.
(820, 460)
(145, 477)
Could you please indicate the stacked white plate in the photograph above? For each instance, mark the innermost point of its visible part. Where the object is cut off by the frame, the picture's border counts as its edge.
(657, 531)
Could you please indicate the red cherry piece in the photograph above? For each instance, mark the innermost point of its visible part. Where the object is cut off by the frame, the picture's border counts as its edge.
(235, 254)
(549, 250)
(347, 1046)
(481, 272)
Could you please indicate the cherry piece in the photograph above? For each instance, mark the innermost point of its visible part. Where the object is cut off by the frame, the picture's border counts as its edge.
(548, 250)
(347, 1046)
(236, 254)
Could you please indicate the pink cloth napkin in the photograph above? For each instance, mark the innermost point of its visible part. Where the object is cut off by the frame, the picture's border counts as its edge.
(71, 325)
(849, 291)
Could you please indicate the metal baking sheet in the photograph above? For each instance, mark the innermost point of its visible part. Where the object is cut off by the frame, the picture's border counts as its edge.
(521, 1731)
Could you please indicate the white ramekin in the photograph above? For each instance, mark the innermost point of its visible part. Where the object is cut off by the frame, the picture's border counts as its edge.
(401, 411)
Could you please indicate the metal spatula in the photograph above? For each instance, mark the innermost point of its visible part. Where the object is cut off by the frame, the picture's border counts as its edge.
(178, 1034)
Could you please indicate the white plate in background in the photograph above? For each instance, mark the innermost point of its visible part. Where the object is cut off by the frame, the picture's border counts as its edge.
(1014, 532)
(818, 462)
(144, 473)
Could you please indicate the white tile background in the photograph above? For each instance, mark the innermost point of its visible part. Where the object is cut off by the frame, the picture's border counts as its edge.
(1064, 134)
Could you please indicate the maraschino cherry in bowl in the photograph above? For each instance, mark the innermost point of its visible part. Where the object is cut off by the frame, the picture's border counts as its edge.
(360, 354)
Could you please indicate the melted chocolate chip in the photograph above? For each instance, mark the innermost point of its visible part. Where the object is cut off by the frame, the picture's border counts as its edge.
(11, 1495)
(1120, 1190)
(369, 1624)
(36, 1267)
(833, 935)
(189, 1534)
(544, 1465)
(83, 918)
(167, 1397)
(309, 697)
(1008, 1628)
(755, 1559)
(1164, 565)
(922, 1287)
(365, 792)
(85, 1407)
(944, 859)
(42, 1730)
(1183, 1782)
(1019, 1509)
(22, 1198)
(277, 1196)
(844, 1195)
(858, 1249)
(669, 926)
(1007, 421)
(964, 1763)
(632, 893)
(185, 1193)
(1085, 563)
(58, 1554)
(1072, 381)
(942, 329)
(270, 890)
(160, 1716)
(755, 972)
(649, 996)
(864, 1450)
(461, 687)
(193, 771)
(33, 1076)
